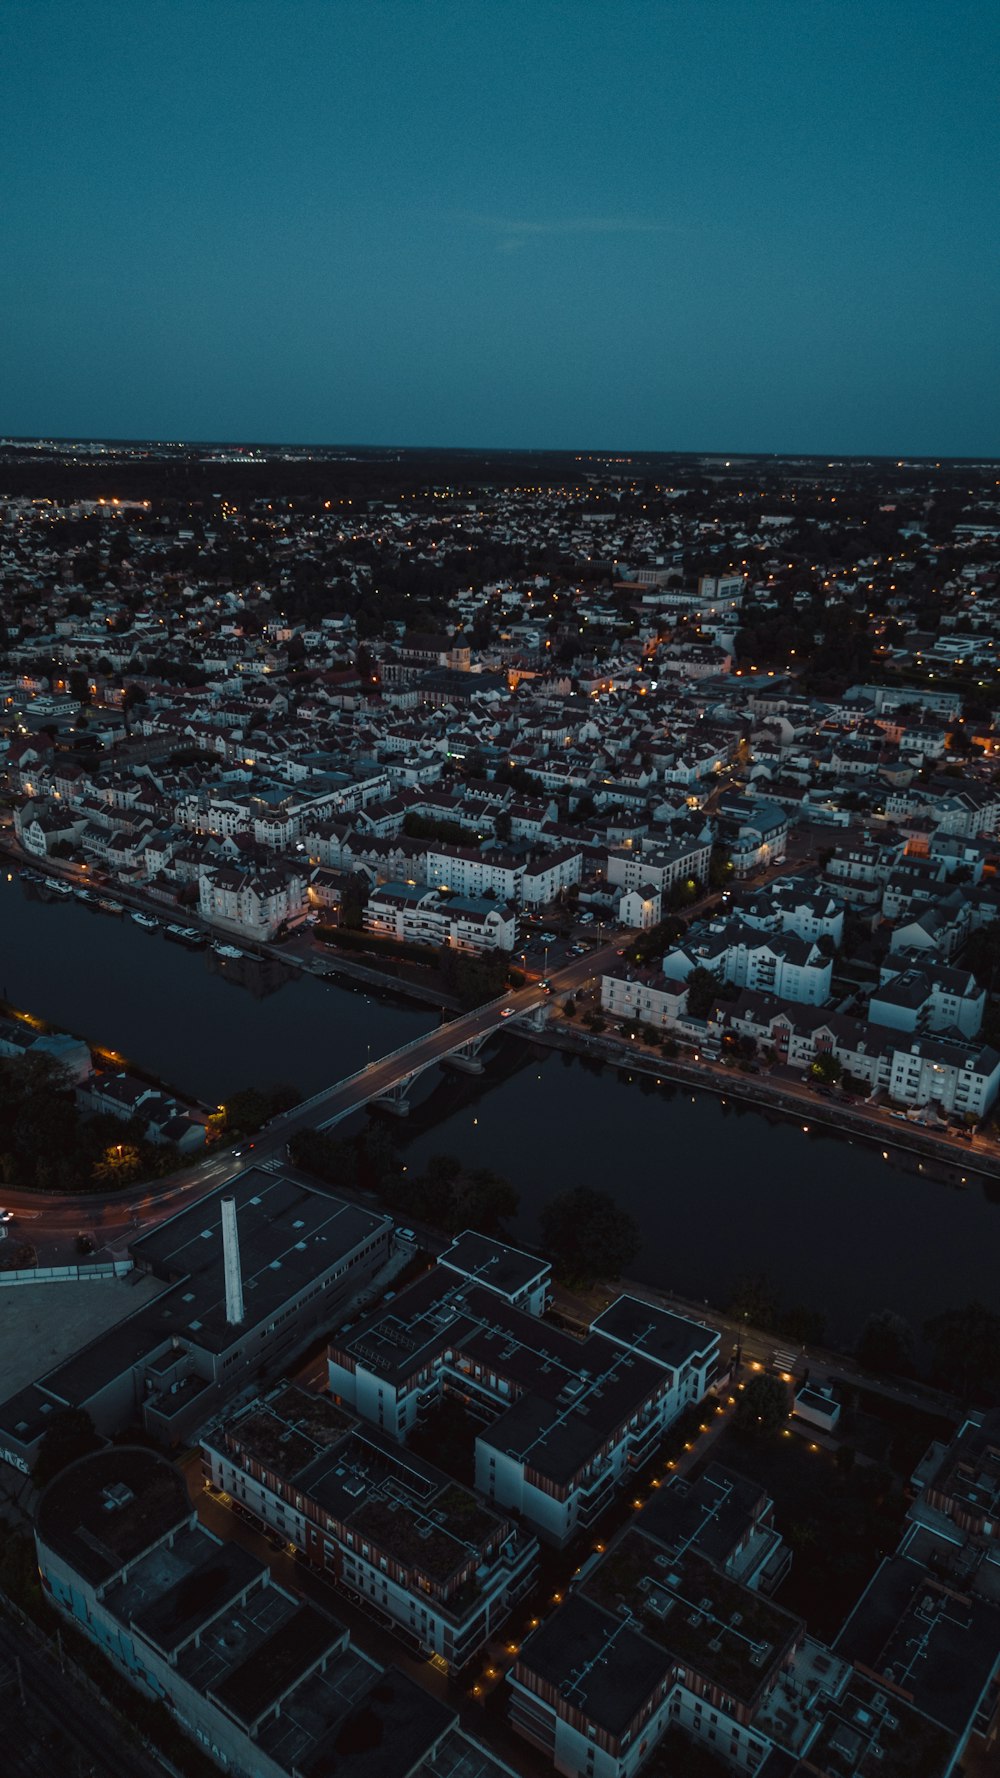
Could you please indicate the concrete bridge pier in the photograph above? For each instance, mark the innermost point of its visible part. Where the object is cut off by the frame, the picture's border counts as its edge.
(468, 1058)
(396, 1099)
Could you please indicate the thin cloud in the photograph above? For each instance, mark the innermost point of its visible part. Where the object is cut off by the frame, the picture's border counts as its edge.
(515, 232)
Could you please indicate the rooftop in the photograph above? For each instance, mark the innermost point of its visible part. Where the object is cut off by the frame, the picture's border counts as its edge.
(703, 1620)
(104, 1510)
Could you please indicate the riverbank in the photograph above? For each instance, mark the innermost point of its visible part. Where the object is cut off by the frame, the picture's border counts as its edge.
(298, 951)
(781, 1097)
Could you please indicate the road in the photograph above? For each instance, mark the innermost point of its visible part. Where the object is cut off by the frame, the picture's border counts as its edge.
(55, 1219)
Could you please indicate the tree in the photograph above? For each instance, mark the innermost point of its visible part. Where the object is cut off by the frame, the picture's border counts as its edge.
(966, 1346)
(702, 992)
(69, 1434)
(250, 1107)
(720, 867)
(826, 1068)
(588, 1236)
(762, 1407)
(120, 1163)
(502, 826)
(887, 1345)
(755, 1300)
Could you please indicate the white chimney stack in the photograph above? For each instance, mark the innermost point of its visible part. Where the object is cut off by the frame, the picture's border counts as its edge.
(231, 1263)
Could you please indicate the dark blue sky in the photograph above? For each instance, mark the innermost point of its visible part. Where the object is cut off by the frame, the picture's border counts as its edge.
(666, 224)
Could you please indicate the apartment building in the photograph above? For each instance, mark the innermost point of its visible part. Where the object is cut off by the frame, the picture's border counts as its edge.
(421, 916)
(386, 1527)
(564, 1421)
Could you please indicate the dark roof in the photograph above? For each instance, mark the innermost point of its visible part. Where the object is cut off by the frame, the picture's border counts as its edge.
(391, 1728)
(711, 1515)
(277, 1664)
(104, 1510)
(600, 1665)
(668, 1339)
(197, 1597)
(493, 1263)
(937, 1646)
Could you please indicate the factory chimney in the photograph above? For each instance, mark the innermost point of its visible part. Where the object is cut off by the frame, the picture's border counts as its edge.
(231, 1263)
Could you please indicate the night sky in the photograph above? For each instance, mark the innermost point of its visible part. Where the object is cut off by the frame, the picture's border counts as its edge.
(762, 225)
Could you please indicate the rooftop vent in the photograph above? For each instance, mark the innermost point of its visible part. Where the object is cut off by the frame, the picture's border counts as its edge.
(115, 1496)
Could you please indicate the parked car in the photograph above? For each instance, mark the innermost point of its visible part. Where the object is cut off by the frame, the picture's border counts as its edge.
(406, 1235)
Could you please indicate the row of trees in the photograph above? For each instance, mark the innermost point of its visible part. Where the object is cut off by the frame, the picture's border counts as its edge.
(963, 1342)
(584, 1232)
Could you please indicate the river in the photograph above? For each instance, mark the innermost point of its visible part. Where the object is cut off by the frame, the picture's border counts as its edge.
(718, 1189)
(204, 1025)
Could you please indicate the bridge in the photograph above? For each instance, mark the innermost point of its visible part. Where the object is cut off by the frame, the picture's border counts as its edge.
(386, 1081)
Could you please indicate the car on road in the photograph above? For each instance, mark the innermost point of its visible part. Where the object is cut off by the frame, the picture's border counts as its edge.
(6, 1215)
(406, 1235)
(244, 1148)
(508, 1012)
(83, 1242)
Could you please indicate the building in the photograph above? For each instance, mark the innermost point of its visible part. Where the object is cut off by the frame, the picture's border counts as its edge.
(564, 1421)
(415, 915)
(254, 904)
(297, 1258)
(266, 1684)
(651, 1638)
(778, 963)
(386, 1528)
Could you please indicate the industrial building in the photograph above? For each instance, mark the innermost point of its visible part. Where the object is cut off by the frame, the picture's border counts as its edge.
(243, 1289)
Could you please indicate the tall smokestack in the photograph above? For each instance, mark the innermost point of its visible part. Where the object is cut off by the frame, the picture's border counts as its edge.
(231, 1263)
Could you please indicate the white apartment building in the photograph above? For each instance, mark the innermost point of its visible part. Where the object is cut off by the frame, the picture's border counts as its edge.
(661, 866)
(781, 963)
(251, 904)
(565, 1421)
(545, 879)
(467, 872)
(446, 1569)
(421, 916)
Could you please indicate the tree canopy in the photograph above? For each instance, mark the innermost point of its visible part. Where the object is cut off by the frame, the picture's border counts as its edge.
(762, 1406)
(588, 1236)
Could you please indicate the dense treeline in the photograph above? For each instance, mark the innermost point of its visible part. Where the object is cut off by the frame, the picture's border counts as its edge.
(46, 1142)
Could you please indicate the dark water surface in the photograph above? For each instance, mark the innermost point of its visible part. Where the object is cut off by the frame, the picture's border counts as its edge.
(718, 1189)
(206, 1026)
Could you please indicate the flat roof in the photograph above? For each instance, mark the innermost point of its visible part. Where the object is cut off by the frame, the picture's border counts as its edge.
(41, 1325)
(568, 1395)
(601, 1665)
(378, 1488)
(289, 1234)
(712, 1514)
(493, 1263)
(666, 1338)
(937, 1646)
(702, 1619)
(104, 1510)
(393, 1725)
(287, 1652)
(220, 1574)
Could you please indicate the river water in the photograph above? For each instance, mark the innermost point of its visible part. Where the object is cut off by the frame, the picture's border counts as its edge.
(718, 1189)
